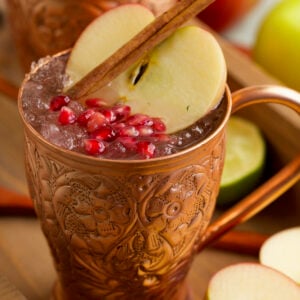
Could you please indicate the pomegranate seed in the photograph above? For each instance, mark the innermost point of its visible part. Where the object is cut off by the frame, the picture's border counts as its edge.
(104, 133)
(83, 118)
(139, 119)
(112, 130)
(95, 102)
(66, 116)
(161, 137)
(109, 115)
(93, 146)
(128, 131)
(95, 121)
(128, 142)
(118, 126)
(146, 149)
(144, 130)
(58, 102)
(158, 125)
(122, 112)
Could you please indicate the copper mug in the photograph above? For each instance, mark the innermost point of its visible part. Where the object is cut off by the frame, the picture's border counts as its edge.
(127, 229)
(42, 27)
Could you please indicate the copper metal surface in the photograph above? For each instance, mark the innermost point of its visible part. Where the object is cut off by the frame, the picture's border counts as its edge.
(254, 202)
(130, 229)
(274, 187)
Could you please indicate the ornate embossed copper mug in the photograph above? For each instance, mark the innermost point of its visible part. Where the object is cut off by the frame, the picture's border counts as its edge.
(126, 229)
(43, 27)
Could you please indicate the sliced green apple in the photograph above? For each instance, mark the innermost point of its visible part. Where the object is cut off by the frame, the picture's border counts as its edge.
(251, 281)
(180, 80)
(281, 251)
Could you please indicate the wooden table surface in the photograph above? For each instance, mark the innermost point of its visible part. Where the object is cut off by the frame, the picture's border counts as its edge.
(25, 261)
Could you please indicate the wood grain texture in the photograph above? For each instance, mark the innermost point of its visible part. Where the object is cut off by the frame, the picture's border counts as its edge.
(8, 291)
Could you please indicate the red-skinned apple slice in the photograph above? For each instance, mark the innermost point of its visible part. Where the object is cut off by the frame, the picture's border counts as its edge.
(180, 80)
(251, 281)
(281, 251)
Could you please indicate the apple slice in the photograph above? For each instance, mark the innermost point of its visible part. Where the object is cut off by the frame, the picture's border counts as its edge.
(251, 281)
(105, 35)
(281, 251)
(180, 80)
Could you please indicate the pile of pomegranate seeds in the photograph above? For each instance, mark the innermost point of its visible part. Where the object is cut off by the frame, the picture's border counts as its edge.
(112, 132)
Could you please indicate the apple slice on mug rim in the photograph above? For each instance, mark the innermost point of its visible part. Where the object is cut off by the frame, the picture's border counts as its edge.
(179, 81)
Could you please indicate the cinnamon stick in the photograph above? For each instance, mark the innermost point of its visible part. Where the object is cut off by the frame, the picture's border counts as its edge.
(15, 203)
(162, 27)
(8, 89)
(241, 242)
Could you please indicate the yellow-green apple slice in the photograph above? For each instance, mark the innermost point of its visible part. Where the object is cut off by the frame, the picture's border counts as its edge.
(180, 80)
(251, 281)
(281, 251)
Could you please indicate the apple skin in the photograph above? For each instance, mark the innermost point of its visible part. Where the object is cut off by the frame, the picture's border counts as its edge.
(222, 13)
(277, 45)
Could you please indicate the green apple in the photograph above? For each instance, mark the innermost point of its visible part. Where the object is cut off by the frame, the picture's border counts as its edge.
(281, 251)
(179, 80)
(251, 281)
(277, 46)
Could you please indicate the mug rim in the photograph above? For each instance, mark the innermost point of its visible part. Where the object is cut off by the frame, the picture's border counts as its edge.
(77, 156)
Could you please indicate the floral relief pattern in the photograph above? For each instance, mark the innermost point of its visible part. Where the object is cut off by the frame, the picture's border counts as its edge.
(122, 235)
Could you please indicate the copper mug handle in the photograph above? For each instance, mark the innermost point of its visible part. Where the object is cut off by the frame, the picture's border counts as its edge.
(274, 187)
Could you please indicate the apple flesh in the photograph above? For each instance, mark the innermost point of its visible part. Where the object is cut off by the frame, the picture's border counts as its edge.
(179, 81)
(183, 78)
(251, 281)
(282, 252)
(105, 35)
